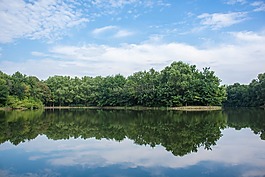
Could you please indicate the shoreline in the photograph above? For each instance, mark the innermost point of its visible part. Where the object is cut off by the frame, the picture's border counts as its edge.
(182, 108)
(5, 109)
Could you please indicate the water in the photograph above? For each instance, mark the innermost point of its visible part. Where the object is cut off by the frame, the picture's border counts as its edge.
(132, 143)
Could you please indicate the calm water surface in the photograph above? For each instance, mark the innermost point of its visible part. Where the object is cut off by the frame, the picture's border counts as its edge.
(132, 143)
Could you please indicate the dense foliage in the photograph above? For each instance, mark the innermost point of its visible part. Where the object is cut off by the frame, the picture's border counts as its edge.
(21, 91)
(251, 95)
(176, 85)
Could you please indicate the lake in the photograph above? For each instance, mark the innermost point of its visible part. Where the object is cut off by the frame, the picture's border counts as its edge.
(132, 143)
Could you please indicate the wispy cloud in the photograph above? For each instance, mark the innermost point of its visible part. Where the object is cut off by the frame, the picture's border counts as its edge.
(123, 33)
(259, 6)
(236, 2)
(112, 3)
(43, 19)
(50, 19)
(221, 20)
(104, 29)
(115, 7)
(111, 31)
(38, 54)
(122, 3)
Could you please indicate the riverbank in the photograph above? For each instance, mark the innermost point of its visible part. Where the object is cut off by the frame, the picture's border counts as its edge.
(5, 109)
(183, 108)
(197, 108)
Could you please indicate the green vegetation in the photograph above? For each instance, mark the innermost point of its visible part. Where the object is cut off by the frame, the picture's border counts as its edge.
(21, 92)
(179, 84)
(26, 103)
(251, 95)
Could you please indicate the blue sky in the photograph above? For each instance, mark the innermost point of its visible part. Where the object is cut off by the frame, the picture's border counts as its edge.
(108, 37)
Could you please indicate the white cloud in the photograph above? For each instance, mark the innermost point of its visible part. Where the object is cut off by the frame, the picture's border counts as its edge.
(123, 33)
(38, 54)
(40, 19)
(115, 7)
(259, 6)
(113, 3)
(236, 1)
(249, 36)
(221, 20)
(104, 29)
(122, 3)
(111, 31)
(239, 61)
(50, 19)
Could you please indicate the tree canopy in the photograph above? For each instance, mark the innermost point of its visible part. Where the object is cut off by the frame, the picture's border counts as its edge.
(176, 85)
(179, 84)
(251, 95)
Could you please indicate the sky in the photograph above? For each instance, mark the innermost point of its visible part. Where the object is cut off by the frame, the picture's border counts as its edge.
(107, 37)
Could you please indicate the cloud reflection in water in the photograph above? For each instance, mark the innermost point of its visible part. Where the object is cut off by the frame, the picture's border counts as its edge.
(231, 151)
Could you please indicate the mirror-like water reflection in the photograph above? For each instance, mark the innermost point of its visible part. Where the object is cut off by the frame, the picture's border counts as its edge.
(132, 143)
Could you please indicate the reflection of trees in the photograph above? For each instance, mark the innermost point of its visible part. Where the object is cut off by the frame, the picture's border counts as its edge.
(244, 118)
(18, 126)
(178, 132)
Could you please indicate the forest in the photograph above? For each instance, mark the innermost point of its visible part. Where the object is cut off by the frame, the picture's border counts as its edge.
(251, 95)
(179, 84)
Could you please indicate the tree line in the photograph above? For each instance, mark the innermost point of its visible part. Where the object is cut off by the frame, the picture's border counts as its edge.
(179, 84)
(176, 85)
(247, 95)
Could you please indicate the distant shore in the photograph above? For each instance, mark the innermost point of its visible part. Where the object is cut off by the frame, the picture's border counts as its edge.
(182, 108)
(197, 108)
(5, 108)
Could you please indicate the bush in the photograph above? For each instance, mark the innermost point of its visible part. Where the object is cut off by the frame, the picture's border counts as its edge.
(26, 103)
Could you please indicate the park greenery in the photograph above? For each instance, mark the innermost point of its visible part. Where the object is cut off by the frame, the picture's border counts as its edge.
(251, 95)
(179, 84)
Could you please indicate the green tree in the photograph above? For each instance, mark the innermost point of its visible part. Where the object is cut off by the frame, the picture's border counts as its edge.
(210, 90)
(18, 86)
(142, 88)
(251, 95)
(257, 90)
(176, 85)
(238, 96)
(4, 92)
(175, 80)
